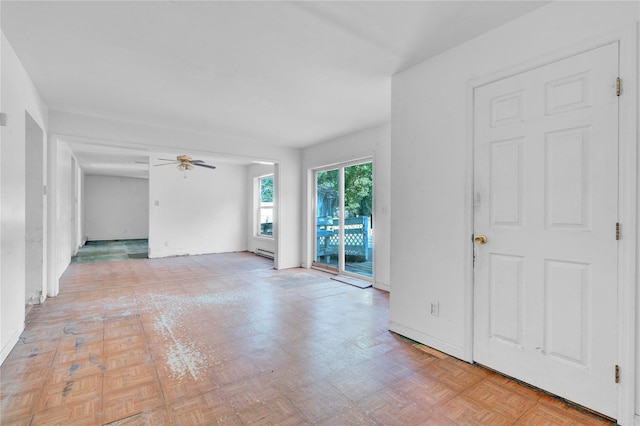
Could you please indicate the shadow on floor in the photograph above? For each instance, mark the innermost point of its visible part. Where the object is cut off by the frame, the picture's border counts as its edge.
(109, 251)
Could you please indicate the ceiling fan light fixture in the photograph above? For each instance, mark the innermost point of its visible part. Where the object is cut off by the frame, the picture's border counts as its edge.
(184, 163)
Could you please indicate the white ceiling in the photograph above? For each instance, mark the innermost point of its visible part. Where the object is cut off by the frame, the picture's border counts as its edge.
(107, 160)
(283, 73)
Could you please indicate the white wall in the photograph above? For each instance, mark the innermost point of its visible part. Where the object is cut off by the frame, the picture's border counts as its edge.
(64, 193)
(431, 159)
(18, 95)
(5, 343)
(116, 208)
(203, 212)
(253, 240)
(78, 206)
(35, 212)
(374, 143)
(160, 139)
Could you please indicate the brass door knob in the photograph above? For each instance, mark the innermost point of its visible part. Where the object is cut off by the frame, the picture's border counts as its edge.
(480, 239)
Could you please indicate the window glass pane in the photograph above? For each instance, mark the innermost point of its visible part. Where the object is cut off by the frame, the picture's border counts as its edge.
(358, 232)
(266, 206)
(266, 189)
(327, 217)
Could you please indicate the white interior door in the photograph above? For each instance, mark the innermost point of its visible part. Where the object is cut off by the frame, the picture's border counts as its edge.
(546, 198)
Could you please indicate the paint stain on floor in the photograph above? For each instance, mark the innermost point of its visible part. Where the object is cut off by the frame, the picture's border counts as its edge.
(183, 357)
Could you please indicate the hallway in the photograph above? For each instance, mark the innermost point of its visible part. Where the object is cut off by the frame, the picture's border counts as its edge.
(227, 339)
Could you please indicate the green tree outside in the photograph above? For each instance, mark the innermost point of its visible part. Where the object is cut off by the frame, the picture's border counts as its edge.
(358, 188)
(266, 189)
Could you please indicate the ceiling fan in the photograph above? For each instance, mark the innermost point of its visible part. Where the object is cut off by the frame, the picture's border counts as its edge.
(184, 162)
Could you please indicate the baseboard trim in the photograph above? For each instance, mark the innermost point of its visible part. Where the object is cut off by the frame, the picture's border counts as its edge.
(6, 349)
(382, 286)
(425, 339)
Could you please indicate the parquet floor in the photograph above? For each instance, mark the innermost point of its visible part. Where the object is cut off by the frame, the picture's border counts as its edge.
(224, 339)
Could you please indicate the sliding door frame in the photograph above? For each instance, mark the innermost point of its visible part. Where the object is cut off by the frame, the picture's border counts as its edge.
(341, 221)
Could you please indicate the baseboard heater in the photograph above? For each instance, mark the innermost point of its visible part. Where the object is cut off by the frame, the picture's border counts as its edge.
(264, 253)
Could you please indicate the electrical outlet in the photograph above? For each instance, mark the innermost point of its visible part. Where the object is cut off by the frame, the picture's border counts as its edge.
(166, 243)
(435, 308)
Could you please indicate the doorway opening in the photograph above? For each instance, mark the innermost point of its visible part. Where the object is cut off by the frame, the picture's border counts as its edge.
(112, 250)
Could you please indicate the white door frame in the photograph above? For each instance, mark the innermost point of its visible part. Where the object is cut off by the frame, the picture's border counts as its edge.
(628, 202)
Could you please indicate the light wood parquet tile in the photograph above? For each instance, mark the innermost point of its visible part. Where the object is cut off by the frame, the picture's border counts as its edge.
(130, 376)
(19, 422)
(269, 359)
(347, 417)
(552, 411)
(234, 370)
(41, 334)
(543, 414)
(121, 344)
(73, 413)
(389, 369)
(19, 405)
(24, 379)
(467, 411)
(178, 388)
(125, 402)
(437, 419)
(253, 390)
(15, 366)
(207, 408)
(79, 342)
(64, 372)
(390, 408)
(501, 399)
(299, 374)
(123, 331)
(318, 401)
(68, 393)
(277, 411)
(226, 339)
(455, 374)
(158, 416)
(80, 350)
(355, 384)
(30, 350)
(425, 391)
(130, 356)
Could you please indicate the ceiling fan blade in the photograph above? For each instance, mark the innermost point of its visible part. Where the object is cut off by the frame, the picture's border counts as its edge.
(204, 165)
(197, 161)
(164, 164)
(166, 159)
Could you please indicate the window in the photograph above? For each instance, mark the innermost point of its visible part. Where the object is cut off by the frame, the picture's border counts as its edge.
(265, 206)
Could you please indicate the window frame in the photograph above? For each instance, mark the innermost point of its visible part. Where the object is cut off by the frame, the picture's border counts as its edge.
(260, 206)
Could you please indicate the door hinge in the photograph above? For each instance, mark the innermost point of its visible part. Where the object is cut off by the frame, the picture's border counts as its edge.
(617, 378)
(617, 231)
(618, 86)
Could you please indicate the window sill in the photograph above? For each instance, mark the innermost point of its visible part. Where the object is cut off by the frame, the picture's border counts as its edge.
(264, 237)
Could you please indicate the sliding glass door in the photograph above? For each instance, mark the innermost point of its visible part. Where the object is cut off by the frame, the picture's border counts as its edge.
(344, 219)
(358, 218)
(327, 219)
